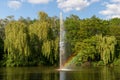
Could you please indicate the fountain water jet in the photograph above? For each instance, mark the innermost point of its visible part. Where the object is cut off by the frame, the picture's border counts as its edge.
(62, 43)
(63, 54)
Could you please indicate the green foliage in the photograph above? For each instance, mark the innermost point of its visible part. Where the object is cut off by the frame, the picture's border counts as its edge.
(34, 42)
(116, 62)
(16, 39)
(86, 39)
(96, 48)
(86, 50)
(72, 26)
(16, 43)
(77, 29)
(98, 63)
(43, 16)
(106, 48)
(43, 42)
(33, 45)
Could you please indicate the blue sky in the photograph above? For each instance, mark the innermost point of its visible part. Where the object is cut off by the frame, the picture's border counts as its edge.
(83, 8)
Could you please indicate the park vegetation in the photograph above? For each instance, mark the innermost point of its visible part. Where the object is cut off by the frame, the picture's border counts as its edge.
(26, 42)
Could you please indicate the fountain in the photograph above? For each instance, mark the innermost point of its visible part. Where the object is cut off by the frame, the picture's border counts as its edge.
(64, 54)
(62, 43)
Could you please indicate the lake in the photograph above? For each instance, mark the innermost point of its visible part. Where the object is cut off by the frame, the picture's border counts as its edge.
(49, 73)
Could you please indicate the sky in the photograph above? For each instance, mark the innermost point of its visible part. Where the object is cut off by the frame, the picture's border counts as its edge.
(104, 9)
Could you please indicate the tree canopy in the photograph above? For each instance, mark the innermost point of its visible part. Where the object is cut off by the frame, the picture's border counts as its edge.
(25, 42)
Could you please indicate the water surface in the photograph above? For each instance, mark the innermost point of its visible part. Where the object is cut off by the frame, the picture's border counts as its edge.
(48, 73)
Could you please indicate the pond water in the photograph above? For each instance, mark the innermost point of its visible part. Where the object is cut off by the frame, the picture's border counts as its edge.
(48, 73)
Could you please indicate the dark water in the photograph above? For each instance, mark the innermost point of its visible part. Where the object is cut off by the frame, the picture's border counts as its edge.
(47, 73)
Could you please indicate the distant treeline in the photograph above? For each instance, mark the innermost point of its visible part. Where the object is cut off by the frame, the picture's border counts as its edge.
(26, 42)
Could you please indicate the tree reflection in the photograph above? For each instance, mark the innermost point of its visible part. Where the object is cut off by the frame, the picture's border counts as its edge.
(96, 73)
(92, 73)
(26, 73)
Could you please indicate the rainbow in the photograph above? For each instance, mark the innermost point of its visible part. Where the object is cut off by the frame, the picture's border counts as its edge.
(68, 60)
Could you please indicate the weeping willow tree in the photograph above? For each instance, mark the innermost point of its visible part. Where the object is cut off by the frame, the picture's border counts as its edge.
(43, 40)
(106, 48)
(45, 45)
(15, 43)
(29, 45)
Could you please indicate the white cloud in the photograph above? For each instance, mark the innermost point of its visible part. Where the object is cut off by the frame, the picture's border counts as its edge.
(69, 5)
(39, 1)
(115, 0)
(14, 4)
(92, 1)
(112, 9)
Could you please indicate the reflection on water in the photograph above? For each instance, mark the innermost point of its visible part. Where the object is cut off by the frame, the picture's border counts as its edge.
(98, 73)
(45, 73)
(62, 75)
(28, 73)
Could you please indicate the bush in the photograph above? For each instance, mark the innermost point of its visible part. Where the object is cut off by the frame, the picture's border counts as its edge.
(116, 62)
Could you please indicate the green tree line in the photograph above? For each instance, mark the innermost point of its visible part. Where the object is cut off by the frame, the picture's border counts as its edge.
(26, 42)
(30, 42)
(93, 40)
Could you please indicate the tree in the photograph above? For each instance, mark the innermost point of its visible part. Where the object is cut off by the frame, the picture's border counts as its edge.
(106, 48)
(72, 28)
(96, 48)
(16, 43)
(43, 39)
(43, 16)
(114, 30)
